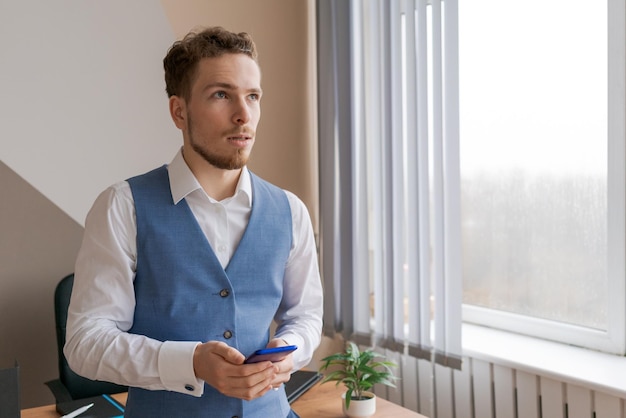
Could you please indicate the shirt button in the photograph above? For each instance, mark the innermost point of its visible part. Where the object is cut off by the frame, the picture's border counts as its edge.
(221, 248)
(190, 388)
(228, 334)
(224, 293)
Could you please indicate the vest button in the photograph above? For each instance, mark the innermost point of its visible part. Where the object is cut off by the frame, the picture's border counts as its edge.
(224, 293)
(228, 334)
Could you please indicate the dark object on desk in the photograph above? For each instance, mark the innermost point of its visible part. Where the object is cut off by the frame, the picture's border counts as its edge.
(300, 382)
(70, 386)
(10, 392)
(104, 406)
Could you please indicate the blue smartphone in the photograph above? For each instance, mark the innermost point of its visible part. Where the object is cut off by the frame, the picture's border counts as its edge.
(273, 354)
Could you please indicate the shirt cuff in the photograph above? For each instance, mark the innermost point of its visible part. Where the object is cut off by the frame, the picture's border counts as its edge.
(176, 368)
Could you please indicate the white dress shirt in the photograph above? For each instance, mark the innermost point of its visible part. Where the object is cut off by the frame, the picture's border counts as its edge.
(103, 301)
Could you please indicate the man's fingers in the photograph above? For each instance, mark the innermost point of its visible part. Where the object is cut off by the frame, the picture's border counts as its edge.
(222, 367)
(228, 353)
(255, 391)
(249, 386)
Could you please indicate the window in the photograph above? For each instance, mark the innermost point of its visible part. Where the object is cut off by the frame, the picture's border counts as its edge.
(524, 135)
(542, 168)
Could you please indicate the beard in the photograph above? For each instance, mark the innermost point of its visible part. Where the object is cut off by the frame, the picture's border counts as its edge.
(234, 161)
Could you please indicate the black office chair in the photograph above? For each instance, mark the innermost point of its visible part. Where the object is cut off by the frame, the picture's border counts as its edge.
(70, 386)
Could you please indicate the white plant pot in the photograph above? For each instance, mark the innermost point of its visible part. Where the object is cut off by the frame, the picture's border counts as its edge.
(360, 408)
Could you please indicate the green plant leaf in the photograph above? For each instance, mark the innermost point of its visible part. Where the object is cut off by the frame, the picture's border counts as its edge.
(358, 370)
(348, 397)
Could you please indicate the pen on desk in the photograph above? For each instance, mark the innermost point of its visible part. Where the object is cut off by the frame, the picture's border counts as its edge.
(78, 411)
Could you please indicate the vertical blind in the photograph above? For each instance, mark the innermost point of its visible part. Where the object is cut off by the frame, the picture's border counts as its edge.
(389, 174)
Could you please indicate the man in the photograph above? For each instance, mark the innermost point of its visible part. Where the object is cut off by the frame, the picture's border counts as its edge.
(183, 269)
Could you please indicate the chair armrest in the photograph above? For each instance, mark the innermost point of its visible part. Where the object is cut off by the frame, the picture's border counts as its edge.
(58, 389)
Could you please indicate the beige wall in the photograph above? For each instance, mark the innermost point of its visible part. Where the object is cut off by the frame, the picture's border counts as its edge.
(84, 106)
(285, 151)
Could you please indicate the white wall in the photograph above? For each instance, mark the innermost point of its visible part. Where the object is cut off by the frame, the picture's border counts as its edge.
(83, 95)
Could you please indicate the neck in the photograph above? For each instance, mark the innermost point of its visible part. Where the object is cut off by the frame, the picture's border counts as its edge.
(216, 182)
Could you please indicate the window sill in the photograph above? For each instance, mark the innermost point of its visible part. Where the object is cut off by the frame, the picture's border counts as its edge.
(591, 369)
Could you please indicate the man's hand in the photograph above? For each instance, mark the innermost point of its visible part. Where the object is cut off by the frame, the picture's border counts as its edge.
(283, 368)
(221, 366)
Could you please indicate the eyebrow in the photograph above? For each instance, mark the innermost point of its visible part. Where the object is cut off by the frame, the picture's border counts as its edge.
(229, 86)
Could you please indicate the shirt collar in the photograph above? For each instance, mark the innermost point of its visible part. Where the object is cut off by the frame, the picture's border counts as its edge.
(183, 182)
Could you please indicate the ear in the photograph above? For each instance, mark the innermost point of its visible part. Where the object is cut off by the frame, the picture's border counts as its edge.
(178, 111)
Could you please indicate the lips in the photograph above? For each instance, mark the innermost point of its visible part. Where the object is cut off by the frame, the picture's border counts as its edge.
(242, 140)
(239, 137)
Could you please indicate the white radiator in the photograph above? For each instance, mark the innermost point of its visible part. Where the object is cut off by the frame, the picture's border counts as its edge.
(487, 390)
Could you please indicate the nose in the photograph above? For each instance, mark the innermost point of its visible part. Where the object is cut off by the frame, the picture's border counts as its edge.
(241, 113)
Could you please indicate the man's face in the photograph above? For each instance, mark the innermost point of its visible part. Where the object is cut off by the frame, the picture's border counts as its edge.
(223, 111)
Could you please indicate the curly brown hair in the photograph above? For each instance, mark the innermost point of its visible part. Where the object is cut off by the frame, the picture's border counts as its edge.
(183, 57)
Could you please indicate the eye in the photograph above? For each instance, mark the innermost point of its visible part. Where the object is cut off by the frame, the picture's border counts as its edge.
(255, 97)
(220, 94)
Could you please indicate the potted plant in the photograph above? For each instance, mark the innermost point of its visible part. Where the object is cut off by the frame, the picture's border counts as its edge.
(359, 371)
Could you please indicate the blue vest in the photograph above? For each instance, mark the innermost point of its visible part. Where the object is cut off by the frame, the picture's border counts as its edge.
(183, 294)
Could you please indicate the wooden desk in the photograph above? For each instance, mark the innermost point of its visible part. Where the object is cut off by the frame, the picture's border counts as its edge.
(321, 401)
(324, 401)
